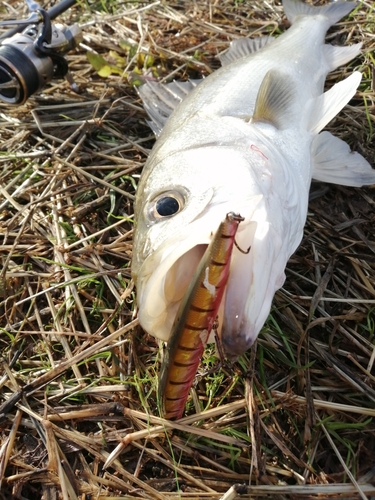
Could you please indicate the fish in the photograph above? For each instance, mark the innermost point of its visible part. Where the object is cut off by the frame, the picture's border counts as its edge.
(247, 139)
(195, 319)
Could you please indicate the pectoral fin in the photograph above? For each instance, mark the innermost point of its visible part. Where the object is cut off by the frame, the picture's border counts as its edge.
(274, 100)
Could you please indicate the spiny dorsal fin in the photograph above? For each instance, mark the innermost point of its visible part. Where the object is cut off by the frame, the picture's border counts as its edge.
(274, 99)
(161, 99)
(327, 105)
(244, 47)
(334, 162)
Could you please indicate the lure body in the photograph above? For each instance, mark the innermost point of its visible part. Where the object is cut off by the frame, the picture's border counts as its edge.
(195, 319)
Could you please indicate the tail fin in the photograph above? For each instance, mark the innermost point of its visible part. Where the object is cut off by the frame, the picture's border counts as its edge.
(332, 12)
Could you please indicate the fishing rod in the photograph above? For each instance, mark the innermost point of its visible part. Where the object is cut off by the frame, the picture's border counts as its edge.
(32, 51)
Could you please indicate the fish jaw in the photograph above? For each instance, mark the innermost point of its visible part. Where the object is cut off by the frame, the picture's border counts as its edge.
(254, 277)
(166, 273)
(163, 278)
(253, 280)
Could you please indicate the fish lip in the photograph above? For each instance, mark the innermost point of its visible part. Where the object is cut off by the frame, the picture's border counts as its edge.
(234, 347)
(152, 301)
(153, 308)
(155, 314)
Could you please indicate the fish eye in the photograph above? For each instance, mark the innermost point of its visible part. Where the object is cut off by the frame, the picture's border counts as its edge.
(166, 205)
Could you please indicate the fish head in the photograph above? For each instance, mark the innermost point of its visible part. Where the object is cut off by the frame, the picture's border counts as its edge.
(181, 200)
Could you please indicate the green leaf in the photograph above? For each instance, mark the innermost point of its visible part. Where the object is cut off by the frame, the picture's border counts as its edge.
(119, 61)
(103, 67)
(105, 71)
(96, 60)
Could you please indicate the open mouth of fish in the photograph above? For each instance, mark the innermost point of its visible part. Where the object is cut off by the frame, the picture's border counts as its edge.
(185, 299)
(167, 272)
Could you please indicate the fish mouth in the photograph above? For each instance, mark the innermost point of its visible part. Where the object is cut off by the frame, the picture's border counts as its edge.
(164, 279)
(167, 272)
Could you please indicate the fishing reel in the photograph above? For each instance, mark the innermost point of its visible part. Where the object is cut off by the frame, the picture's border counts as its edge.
(30, 59)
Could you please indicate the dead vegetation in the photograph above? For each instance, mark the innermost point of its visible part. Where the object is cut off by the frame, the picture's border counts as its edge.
(293, 418)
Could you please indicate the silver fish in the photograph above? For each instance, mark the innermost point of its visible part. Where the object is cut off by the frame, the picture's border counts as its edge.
(247, 139)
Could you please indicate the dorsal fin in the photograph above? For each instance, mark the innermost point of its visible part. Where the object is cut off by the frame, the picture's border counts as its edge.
(161, 99)
(326, 106)
(274, 100)
(244, 47)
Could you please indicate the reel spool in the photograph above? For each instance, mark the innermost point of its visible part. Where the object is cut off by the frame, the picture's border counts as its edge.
(29, 60)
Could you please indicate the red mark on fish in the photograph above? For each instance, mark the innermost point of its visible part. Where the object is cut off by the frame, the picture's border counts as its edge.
(257, 150)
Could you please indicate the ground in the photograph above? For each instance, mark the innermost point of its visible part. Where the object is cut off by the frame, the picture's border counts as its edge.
(293, 417)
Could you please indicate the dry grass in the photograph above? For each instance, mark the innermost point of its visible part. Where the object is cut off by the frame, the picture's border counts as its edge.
(293, 418)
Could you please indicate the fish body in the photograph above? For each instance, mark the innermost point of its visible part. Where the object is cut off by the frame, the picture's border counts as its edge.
(246, 139)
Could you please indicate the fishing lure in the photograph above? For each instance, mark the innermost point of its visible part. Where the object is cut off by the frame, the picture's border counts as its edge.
(195, 319)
